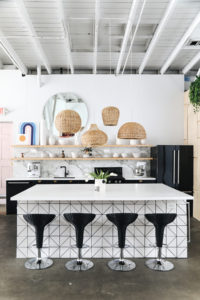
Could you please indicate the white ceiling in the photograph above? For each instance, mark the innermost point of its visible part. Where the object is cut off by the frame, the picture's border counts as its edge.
(61, 34)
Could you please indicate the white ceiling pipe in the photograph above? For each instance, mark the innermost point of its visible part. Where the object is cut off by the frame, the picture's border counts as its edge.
(189, 66)
(156, 35)
(134, 35)
(179, 46)
(96, 31)
(8, 49)
(126, 35)
(26, 18)
(67, 37)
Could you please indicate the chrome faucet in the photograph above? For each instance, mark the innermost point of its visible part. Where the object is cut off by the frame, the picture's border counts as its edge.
(66, 173)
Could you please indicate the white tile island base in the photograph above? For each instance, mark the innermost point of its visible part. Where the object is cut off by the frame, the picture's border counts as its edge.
(101, 235)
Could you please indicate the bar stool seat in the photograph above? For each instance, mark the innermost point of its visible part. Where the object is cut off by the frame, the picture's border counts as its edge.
(79, 221)
(39, 221)
(160, 221)
(121, 221)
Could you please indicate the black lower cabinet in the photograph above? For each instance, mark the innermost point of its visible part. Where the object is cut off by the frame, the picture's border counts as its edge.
(13, 188)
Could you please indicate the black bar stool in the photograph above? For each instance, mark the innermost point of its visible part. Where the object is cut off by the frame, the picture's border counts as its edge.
(79, 221)
(39, 221)
(160, 221)
(121, 221)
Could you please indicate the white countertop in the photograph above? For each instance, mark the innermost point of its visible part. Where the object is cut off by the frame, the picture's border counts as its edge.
(114, 192)
(68, 178)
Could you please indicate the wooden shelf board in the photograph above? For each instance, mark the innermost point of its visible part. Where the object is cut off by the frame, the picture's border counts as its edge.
(77, 146)
(82, 158)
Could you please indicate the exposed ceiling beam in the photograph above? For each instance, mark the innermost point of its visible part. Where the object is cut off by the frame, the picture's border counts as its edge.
(134, 35)
(8, 49)
(191, 47)
(179, 46)
(96, 31)
(156, 35)
(39, 81)
(189, 66)
(126, 34)
(67, 37)
(26, 18)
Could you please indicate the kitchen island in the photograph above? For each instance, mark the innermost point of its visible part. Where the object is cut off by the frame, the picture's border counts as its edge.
(101, 235)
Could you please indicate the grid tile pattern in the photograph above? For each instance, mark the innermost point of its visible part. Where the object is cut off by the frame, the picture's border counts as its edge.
(101, 236)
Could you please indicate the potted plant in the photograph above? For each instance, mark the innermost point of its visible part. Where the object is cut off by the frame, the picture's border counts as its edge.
(100, 178)
(194, 94)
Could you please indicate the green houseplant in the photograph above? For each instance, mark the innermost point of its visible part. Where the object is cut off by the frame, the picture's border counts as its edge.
(100, 178)
(194, 94)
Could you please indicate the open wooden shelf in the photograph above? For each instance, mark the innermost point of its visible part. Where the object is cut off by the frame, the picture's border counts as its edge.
(78, 146)
(82, 158)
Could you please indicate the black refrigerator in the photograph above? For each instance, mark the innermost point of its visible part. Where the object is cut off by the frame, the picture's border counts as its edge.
(173, 166)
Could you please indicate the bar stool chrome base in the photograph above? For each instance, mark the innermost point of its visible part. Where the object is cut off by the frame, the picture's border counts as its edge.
(79, 265)
(124, 265)
(159, 265)
(38, 264)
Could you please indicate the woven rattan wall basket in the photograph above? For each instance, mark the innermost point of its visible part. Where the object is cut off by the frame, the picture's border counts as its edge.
(132, 130)
(68, 122)
(94, 137)
(110, 116)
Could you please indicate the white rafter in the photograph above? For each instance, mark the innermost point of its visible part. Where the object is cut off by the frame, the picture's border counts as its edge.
(126, 34)
(8, 49)
(96, 30)
(156, 35)
(67, 37)
(26, 18)
(179, 46)
(39, 80)
(134, 35)
(189, 66)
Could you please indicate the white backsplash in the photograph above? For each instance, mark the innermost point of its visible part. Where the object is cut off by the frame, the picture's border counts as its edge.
(78, 168)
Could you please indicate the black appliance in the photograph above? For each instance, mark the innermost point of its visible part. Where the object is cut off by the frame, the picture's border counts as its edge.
(173, 166)
(113, 179)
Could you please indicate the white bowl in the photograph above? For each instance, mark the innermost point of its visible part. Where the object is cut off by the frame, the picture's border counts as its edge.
(74, 154)
(134, 142)
(136, 154)
(122, 141)
(143, 141)
(66, 140)
(124, 155)
(116, 155)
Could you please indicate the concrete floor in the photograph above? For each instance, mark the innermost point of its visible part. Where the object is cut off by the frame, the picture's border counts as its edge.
(17, 283)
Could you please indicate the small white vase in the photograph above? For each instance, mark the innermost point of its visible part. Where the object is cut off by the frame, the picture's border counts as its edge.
(52, 140)
(100, 185)
(43, 133)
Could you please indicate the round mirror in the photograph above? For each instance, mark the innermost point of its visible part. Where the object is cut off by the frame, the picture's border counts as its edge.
(60, 102)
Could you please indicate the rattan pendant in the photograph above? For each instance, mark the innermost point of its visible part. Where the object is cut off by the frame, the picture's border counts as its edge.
(131, 130)
(110, 116)
(68, 122)
(94, 137)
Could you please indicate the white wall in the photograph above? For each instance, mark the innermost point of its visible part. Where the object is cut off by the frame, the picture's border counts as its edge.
(155, 101)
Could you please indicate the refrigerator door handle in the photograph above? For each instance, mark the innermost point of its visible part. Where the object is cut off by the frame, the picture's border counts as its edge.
(178, 171)
(174, 167)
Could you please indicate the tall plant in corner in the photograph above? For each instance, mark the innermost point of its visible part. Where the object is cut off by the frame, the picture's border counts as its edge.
(194, 94)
